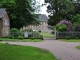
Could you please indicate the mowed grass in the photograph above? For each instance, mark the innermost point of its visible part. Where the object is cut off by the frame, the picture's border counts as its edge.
(78, 47)
(45, 34)
(70, 40)
(17, 52)
(21, 40)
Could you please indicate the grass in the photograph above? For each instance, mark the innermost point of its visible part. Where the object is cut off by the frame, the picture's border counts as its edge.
(46, 34)
(17, 52)
(70, 40)
(78, 47)
(23, 40)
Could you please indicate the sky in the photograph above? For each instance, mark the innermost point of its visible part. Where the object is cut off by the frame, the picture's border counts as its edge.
(43, 8)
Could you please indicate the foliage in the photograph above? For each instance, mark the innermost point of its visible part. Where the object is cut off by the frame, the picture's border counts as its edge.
(20, 37)
(11, 37)
(19, 11)
(39, 31)
(58, 10)
(61, 27)
(68, 37)
(65, 22)
(27, 29)
(14, 32)
(76, 21)
(76, 18)
(32, 38)
(35, 34)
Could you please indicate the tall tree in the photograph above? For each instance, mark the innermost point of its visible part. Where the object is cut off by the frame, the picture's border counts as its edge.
(59, 9)
(19, 11)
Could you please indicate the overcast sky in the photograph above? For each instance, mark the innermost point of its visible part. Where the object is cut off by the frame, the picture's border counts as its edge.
(43, 8)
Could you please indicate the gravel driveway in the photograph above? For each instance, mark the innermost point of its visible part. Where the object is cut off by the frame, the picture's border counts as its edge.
(61, 50)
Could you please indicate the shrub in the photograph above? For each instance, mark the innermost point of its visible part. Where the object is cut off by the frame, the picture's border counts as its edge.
(67, 23)
(20, 37)
(14, 32)
(68, 37)
(39, 31)
(11, 37)
(61, 27)
(32, 38)
(35, 34)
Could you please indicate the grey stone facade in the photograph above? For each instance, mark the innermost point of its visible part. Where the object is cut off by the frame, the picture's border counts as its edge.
(4, 23)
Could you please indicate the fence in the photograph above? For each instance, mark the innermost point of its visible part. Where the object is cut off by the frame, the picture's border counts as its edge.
(67, 34)
(25, 34)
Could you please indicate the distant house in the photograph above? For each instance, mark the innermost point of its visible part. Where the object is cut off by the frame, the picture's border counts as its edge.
(4, 23)
(43, 26)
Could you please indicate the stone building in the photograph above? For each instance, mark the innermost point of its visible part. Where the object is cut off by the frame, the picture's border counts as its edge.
(4, 23)
(43, 26)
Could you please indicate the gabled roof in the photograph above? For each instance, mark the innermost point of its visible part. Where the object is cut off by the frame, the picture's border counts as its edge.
(2, 10)
(43, 18)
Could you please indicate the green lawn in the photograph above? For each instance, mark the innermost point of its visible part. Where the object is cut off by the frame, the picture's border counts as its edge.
(78, 47)
(70, 40)
(46, 34)
(23, 40)
(17, 52)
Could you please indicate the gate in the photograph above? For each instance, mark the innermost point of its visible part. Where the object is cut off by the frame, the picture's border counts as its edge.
(48, 34)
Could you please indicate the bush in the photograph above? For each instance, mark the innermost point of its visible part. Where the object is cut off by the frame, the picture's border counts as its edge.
(68, 37)
(14, 32)
(61, 27)
(32, 38)
(39, 31)
(20, 37)
(35, 34)
(11, 37)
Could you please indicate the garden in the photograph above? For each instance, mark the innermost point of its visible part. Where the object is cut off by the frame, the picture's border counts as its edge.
(67, 29)
(27, 35)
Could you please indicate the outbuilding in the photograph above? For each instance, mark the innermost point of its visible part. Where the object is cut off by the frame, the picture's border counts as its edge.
(4, 23)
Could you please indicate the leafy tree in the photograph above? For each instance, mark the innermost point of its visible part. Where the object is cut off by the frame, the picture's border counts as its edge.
(20, 12)
(76, 18)
(76, 6)
(76, 21)
(59, 9)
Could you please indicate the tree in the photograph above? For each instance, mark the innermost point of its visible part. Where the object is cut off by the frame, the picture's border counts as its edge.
(20, 12)
(59, 9)
(76, 21)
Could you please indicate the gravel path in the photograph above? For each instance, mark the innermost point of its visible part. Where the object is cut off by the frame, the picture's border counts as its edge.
(61, 50)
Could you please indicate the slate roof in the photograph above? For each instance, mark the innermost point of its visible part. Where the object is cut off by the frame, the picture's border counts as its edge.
(2, 10)
(43, 17)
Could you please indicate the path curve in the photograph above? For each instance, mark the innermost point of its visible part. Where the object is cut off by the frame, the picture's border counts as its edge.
(61, 50)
